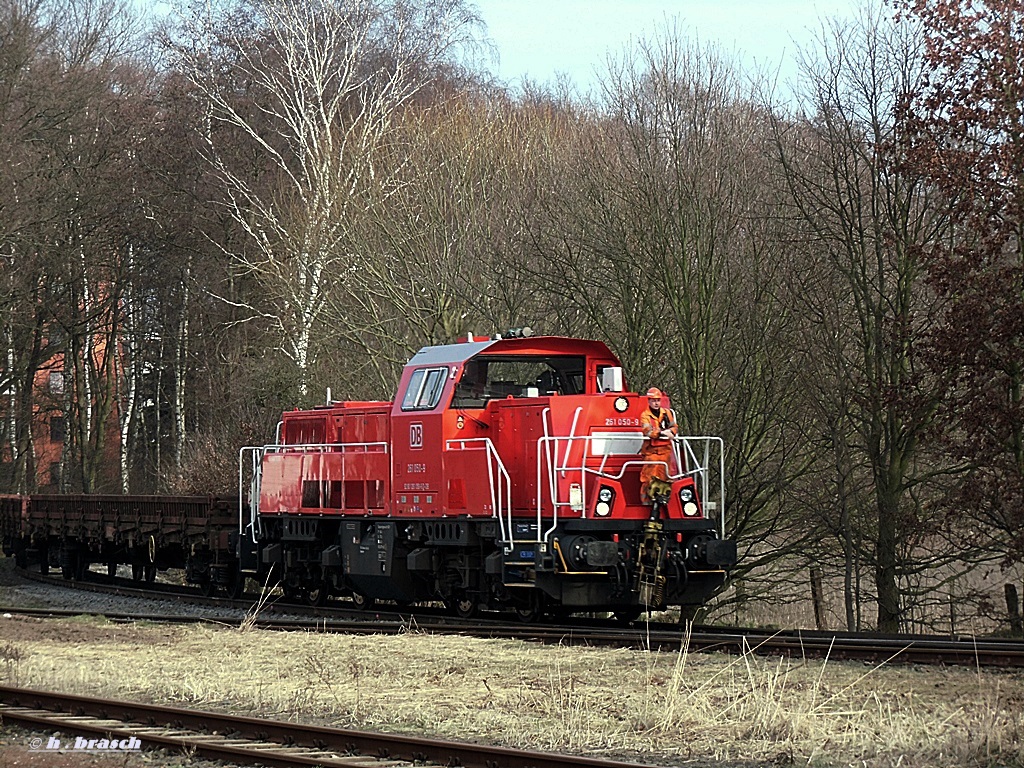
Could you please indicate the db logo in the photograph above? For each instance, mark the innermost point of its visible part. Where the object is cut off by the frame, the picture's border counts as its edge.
(416, 435)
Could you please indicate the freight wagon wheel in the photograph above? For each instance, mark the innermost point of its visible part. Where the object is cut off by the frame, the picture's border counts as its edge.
(137, 572)
(362, 602)
(150, 573)
(20, 555)
(71, 563)
(112, 570)
(209, 587)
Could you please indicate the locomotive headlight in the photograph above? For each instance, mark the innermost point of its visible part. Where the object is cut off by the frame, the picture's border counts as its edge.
(603, 509)
(690, 509)
(605, 495)
(686, 495)
(621, 404)
(605, 498)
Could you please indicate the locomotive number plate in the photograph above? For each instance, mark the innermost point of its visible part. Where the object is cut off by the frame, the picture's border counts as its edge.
(621, 421)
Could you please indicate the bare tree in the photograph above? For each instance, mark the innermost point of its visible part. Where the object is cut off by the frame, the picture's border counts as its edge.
(861, 290)
(56, 106)
(439, 256)
(323, 84)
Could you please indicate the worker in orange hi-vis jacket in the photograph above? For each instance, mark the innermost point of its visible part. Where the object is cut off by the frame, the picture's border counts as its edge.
(659, 427)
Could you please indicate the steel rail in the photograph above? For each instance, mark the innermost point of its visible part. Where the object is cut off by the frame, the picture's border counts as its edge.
(973, 653)
(260, 741)
(904, 649)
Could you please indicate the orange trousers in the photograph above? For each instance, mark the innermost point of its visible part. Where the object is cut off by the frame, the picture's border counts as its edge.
(648, 472)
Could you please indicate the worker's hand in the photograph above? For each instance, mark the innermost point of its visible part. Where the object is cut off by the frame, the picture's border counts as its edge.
(666, 434)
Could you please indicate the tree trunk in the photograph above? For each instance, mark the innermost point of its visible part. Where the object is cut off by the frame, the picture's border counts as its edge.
(125, 370)
(180, 365)
(889, 613)
(818, 597)
(11, 422)
(1013, 610)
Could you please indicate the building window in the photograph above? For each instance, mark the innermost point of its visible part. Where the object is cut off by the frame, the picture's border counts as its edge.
(56, 429)
(56, 383)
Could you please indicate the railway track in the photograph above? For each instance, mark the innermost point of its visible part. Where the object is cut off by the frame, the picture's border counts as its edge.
(903, 649)
(256, 741)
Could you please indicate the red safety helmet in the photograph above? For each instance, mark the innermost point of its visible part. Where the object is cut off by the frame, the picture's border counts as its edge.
(654, 392)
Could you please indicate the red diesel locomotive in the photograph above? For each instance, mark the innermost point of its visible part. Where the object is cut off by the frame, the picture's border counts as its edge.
(505, 475)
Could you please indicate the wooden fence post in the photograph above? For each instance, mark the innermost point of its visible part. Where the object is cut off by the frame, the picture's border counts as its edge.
(1013, 610)
(817, 597)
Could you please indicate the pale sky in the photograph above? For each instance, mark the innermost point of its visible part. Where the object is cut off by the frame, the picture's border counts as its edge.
(540, 38)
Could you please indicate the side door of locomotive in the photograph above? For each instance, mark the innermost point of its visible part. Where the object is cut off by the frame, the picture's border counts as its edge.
(417, 440)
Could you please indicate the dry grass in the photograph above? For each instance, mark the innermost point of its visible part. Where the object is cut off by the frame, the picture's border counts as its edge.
(653, 706)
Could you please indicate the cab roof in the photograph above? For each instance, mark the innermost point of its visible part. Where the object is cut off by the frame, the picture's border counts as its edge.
(539, 346)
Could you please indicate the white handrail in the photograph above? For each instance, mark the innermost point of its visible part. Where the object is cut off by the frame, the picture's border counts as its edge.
(256, 454)
(572, 433)
(256, 468)
(303, 447)
(682, 445)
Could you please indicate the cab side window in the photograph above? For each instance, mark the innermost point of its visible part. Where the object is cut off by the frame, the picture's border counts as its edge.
(425, 388)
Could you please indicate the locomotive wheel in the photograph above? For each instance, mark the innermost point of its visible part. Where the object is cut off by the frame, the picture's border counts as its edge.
(362, 602)
(528, 614)
(209, 588)
(294, 594)
(465, 607)
(236, 585)
(317, 596)
(628, 615)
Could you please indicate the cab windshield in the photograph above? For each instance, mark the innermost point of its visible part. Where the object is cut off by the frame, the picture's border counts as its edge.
(486, 378)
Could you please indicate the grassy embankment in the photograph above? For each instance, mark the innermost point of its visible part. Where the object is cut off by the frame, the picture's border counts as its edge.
(651, 706)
